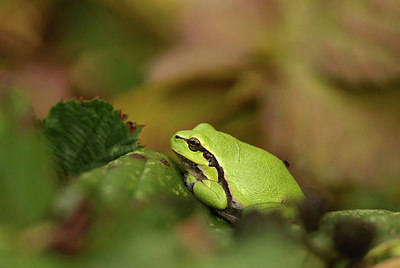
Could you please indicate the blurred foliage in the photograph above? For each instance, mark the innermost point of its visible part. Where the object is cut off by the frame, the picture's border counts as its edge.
(24, 166)
(63, 48)
(315, 83)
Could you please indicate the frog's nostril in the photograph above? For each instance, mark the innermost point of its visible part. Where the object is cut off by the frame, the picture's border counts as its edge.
(178, 137)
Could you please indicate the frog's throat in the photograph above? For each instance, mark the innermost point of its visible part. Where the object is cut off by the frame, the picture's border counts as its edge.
(234, 207)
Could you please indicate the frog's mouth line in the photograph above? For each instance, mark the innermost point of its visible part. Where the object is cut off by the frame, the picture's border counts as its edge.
(192, 168)
(234, 207)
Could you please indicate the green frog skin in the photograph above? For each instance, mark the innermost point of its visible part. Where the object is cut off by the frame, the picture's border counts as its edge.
(232, 176)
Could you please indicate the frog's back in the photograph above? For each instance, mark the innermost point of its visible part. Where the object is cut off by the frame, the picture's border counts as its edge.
(260, 177)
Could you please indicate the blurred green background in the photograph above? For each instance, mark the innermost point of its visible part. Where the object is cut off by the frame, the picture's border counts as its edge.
(314, 82)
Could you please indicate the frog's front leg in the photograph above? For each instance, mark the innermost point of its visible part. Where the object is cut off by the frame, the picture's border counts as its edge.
(207, 191)
(210, 193)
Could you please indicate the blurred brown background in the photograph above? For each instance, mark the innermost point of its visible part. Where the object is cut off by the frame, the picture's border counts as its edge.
(314, 82)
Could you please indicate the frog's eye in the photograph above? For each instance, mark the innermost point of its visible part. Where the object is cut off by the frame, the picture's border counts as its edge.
(194, 144)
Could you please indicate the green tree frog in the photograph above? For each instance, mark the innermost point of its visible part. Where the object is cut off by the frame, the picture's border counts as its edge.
(230, 175)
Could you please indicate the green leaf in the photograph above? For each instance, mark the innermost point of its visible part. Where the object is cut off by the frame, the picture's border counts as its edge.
(87, 134)
(141, 175)
(160, 175)
(26, 188)
(386, 222)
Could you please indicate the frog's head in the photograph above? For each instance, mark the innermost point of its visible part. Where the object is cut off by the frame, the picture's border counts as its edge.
(192, 147)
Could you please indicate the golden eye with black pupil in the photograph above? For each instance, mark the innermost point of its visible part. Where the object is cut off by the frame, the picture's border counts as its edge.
(194, 144)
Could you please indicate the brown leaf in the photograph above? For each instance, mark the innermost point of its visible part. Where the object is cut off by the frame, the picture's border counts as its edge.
(216, 35)
(355, 42)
